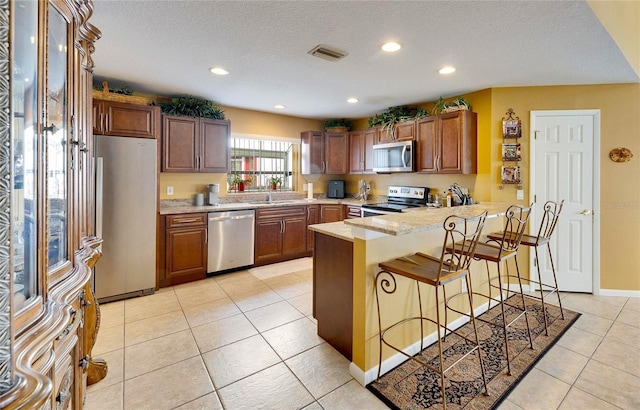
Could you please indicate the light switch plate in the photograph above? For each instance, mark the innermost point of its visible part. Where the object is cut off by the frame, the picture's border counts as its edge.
(169, 190)
(520, 194)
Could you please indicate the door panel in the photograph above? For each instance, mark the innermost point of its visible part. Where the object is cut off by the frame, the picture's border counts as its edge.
(563, 169)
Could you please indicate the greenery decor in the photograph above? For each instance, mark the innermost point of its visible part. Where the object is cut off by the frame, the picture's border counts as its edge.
(394, 115)
(457, 104)
(341, 123)
(193, 107)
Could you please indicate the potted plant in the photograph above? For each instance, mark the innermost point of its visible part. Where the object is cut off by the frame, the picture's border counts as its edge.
(240, 182)
(193, 107)
(274, 181)
(340, 125)
(457, 104)
(393, 115)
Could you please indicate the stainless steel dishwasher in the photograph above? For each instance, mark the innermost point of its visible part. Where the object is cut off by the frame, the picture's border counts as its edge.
(231, 236)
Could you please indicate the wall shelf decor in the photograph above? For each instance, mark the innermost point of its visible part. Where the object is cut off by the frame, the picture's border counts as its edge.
(511, 150)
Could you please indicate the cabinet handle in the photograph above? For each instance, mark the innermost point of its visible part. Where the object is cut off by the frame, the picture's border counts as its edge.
(282, 226)
(206, 236)
(308, 217)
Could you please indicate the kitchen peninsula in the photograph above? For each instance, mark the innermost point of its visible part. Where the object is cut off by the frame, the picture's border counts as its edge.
(346, 258)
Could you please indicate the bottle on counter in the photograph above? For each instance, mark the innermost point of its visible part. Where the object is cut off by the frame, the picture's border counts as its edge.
(449, 199)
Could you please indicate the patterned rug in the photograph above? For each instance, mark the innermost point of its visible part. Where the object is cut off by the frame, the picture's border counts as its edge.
(412, 386)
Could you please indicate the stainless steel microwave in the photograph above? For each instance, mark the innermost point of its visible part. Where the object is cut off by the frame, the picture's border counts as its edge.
(393, 157)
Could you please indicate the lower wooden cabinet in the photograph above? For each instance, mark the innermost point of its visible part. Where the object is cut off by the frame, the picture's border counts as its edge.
(313, 217)
(281, 234)
(352, 211)
(331, 213)
(185, 248)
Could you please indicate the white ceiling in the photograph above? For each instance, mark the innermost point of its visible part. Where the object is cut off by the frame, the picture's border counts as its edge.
(167, 47)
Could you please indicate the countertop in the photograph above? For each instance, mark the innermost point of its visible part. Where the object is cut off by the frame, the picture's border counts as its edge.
(171, 207)
(422, 219)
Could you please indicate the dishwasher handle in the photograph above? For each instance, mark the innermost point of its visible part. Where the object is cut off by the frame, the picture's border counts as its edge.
(230, 217)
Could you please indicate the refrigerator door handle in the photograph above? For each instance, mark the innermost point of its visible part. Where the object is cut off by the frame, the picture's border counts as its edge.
(99, 195)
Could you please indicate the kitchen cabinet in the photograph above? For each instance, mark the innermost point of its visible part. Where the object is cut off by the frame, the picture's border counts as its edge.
(49, 249)
(361, 150)
(331, 213)
(281, 234)
(324, 152)
(125, 120)
(403, 131)
(313, 217)
(192, 144)
(185, 248)
(447, 143)
(352, 211)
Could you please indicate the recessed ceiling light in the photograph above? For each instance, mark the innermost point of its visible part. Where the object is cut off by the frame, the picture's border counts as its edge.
(391, 46)
(218, 71)
(279, 106)
(447, 70)
(352, 100)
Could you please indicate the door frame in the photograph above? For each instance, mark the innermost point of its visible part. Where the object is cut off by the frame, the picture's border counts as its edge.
(595, 240)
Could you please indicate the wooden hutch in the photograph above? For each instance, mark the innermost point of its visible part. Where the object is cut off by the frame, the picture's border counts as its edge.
(47, 248)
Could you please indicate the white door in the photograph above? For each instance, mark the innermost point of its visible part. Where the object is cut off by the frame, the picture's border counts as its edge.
(563, 166)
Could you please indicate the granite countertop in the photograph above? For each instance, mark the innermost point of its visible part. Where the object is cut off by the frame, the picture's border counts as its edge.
(186, 206)
(338, 230)
(422, 219)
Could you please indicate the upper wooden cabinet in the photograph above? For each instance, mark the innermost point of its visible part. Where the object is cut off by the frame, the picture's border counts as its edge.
(324, 152)
(125, 120)
(195, 144)
(447, 143)
(361, 150)
(403, 131)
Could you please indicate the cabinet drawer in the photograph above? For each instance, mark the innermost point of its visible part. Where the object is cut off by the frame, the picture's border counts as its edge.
(281, 212)
(175, 221)
(352, 211)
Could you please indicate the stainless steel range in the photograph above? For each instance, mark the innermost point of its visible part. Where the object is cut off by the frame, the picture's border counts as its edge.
(398, 199)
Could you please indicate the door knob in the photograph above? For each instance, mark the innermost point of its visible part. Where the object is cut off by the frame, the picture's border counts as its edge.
(586, 212)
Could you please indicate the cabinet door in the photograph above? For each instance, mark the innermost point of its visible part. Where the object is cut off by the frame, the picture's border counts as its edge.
(331, 213)
(214, 145)
(427, 145)
(268, 243)
(356, 154)
(458, 146)
(186, 253)
(312, 153)
(312, 219)
(294, 233)
(180, 136)
(384, 136)
(405, 131)
(370, 138)
(336, 152)
(130, 120)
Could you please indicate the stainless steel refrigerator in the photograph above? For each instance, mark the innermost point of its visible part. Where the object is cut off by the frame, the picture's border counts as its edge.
(126, 201)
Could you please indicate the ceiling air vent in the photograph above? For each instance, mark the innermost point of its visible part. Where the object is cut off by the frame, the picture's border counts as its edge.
(327, 53)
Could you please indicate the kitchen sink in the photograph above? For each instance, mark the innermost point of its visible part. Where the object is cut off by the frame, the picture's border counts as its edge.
(282, 201)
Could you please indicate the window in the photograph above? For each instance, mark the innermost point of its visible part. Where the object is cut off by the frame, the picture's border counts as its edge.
(259, 164)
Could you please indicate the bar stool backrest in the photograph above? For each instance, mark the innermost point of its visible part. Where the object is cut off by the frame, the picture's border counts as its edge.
(460, 240)
(516, 220)
(549, 219)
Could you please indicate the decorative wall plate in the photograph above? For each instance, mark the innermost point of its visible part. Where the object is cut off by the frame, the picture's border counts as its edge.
(620, 154)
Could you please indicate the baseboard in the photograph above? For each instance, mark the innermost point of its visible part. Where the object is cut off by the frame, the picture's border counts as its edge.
(366, 377)
(617, 292)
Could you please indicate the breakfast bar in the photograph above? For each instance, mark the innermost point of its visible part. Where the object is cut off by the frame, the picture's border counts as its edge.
(346, 258)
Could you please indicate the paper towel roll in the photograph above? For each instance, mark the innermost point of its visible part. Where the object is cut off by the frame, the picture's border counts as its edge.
(309, 190)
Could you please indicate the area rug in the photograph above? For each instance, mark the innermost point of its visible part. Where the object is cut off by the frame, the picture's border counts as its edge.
(412, 386)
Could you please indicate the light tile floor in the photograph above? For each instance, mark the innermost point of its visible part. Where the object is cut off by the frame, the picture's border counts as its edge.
(247, 340)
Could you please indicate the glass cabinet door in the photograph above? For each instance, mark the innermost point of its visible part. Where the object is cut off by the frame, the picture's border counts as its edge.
(56, 137)
(24, 132)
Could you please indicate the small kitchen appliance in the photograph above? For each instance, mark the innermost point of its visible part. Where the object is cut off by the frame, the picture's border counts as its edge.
(399, 198)
(335, 189)
(212, 190)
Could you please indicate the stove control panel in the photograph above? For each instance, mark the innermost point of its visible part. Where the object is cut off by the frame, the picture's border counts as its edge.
(407, 192)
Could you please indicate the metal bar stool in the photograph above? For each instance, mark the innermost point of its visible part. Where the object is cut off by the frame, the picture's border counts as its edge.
(461, 236)
(502, 250)
(551, 212)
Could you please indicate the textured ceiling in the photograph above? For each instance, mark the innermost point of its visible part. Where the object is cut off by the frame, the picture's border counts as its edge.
(167, 47)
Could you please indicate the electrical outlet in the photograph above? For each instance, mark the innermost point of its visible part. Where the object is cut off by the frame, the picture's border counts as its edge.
(169, 190)
(520, 194)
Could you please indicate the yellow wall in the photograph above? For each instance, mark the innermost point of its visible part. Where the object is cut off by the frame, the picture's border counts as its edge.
(619, 207)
